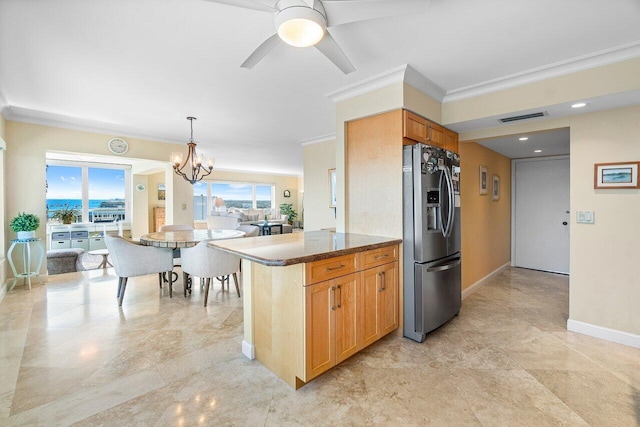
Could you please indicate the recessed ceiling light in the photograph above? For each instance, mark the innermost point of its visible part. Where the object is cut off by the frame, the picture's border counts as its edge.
(537, 151)
(524, 138)
(578, 105)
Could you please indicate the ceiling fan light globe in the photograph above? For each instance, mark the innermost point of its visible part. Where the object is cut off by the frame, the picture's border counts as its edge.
(300, 26)
(300, 32)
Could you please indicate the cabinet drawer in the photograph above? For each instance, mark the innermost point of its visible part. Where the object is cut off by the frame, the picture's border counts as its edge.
(380, 256)
(61, 244)
(325, 269)
(79, 234)
(60, 236)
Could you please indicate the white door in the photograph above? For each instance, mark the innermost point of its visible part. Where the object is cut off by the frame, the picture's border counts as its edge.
(541, 214)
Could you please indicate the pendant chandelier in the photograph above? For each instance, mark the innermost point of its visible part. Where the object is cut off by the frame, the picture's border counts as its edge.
(193, 163)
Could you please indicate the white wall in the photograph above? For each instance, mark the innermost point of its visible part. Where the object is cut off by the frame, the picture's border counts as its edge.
(318, 159)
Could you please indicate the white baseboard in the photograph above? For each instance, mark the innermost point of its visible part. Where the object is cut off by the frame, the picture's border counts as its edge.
(248, 350)
(603, 333)
(480, 283)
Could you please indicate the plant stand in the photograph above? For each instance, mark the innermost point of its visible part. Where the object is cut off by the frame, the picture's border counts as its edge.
(27, 273)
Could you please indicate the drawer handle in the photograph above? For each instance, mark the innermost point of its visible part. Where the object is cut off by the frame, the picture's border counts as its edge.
(383, 281)
(340, 300)
(335, 268)
(381, 256)
(333, 298)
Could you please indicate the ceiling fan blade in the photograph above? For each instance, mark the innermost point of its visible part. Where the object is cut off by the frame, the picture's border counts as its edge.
(247, 4)
(331, 50)
(267, 46)
(344, 11)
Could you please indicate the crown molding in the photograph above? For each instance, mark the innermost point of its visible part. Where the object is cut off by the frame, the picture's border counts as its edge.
(378, 81)
(423, 84)
(4, 104)
(404, 73)
(24, 115)
(317, 139)
(573, 65)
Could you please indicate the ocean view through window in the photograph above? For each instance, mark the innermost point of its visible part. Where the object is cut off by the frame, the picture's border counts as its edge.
(235, 195)
(96, 193)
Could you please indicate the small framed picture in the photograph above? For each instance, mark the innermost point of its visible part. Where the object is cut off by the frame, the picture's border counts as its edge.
(161, 192)
(484, 180)
(495, 190)
(332, 188)
(615, 175)
(287, 193)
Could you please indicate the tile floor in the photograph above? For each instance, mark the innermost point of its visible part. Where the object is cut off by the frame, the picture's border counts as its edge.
(70, 356)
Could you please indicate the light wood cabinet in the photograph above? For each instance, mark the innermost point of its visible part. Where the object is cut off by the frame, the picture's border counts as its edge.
(419, 129)
(414, 127)
(310, 317)
(347, 313)
(158, 217)
(451, 141)
(380, 302)
(331, 323)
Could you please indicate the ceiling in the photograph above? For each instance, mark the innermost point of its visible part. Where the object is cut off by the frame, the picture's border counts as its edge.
(139, 68)
(550, 143)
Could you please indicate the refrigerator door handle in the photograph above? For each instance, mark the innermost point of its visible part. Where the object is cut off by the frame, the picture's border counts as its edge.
(444, 267)
(452, 203)
(443, 224)
(450, 196)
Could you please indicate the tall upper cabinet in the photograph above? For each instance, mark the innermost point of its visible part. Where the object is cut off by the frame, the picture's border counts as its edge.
(373, 167)
(419, 129)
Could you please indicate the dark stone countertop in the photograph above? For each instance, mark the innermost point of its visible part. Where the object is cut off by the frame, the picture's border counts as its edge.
(296, 248)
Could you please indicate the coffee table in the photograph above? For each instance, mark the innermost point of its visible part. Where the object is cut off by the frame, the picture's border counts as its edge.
(105, 256)
(265, 229)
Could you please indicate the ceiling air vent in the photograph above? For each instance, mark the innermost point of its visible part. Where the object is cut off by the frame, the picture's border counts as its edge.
(522, 117)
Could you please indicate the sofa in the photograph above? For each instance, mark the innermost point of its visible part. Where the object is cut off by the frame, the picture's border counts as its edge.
(218, 219)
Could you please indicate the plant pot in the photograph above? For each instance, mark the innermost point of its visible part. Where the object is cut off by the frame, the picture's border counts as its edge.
(24, 235)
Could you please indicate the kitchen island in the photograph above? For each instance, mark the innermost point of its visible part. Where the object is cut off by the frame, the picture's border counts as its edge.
(313, 299)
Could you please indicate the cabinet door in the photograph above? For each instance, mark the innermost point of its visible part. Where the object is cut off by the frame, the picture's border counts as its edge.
(319, 328)
(371, 289)
(451, 141)
(436, 135)
(415, 127)
(346, 312)
(388, 303)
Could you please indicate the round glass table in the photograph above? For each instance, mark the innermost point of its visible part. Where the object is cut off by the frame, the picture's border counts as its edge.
(187, 239)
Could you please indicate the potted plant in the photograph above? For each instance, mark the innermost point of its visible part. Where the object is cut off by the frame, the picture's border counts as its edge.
(25, 225)
(287, 209)
(67, 214)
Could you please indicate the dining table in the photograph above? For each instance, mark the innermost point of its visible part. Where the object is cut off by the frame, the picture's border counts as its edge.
(187, 238)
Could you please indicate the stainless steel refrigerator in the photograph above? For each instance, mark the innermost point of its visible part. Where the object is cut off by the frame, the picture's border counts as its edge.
(431, 223)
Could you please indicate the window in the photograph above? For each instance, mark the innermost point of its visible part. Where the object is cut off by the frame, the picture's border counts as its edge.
(235, 195)
(64, 189)
(200, 196)
(98, 192)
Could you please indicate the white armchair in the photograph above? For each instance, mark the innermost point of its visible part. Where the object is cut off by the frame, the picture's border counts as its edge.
(249, 230)
(130, 260)
(207, 262)
(222, 222)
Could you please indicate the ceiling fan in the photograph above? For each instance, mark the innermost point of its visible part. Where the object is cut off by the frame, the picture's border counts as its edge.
(304, 23)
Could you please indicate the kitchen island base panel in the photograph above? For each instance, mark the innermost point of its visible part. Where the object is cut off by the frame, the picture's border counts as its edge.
(298, 337)
(278, 310)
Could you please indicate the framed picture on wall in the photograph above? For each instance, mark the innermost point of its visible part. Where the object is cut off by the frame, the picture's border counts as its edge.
(615, 175)
(332, 188)
(161, 192)
(484, 180)
(495, 190)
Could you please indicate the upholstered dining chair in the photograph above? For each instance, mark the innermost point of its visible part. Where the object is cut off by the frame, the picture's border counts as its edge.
(130, 260)
(249, 230)
(206, 263)
(222, 222)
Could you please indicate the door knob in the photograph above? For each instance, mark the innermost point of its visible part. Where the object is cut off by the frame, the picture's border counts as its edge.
(564, 222)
